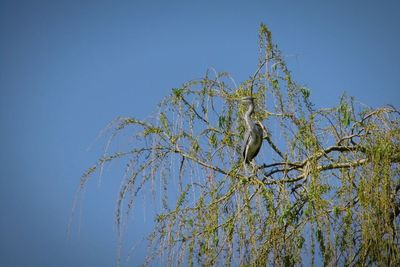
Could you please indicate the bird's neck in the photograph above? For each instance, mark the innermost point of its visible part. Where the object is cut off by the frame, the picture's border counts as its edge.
(247, 115)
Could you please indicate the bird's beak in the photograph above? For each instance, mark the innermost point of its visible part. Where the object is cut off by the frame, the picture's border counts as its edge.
(246, 98)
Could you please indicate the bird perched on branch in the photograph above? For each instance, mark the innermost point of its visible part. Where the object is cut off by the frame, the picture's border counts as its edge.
(254, 135)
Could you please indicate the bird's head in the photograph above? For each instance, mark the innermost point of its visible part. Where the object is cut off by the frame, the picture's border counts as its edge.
(247, 100)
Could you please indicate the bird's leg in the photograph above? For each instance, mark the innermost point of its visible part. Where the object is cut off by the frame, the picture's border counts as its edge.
(249, 173)
(253, 168)
(246, 171)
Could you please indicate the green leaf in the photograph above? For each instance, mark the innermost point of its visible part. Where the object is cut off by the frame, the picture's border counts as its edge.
(275, 84)
(221, 122)
(195, 146)
(178, 92)
(213, 140)
(305, 92)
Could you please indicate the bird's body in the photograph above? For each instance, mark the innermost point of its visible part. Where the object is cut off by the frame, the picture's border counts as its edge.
(253, 141)
(254, 134)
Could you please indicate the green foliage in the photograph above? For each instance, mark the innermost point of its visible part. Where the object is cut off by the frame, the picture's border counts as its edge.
(344, 111)
(326, 186)
(305, 92)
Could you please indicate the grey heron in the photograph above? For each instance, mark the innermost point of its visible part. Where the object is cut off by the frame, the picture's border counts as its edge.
(254, 135)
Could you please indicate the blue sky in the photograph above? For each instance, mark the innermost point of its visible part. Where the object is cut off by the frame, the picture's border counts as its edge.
(67, 68)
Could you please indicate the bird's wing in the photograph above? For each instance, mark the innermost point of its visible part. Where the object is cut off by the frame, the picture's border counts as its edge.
(257, 150)
(260, 134)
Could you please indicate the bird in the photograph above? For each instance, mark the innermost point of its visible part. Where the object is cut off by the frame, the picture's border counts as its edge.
(254, 134)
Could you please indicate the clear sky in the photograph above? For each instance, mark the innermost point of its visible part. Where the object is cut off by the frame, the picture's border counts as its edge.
(67, 68)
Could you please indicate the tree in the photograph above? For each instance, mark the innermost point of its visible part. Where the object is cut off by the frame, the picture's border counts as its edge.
(326, 185)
